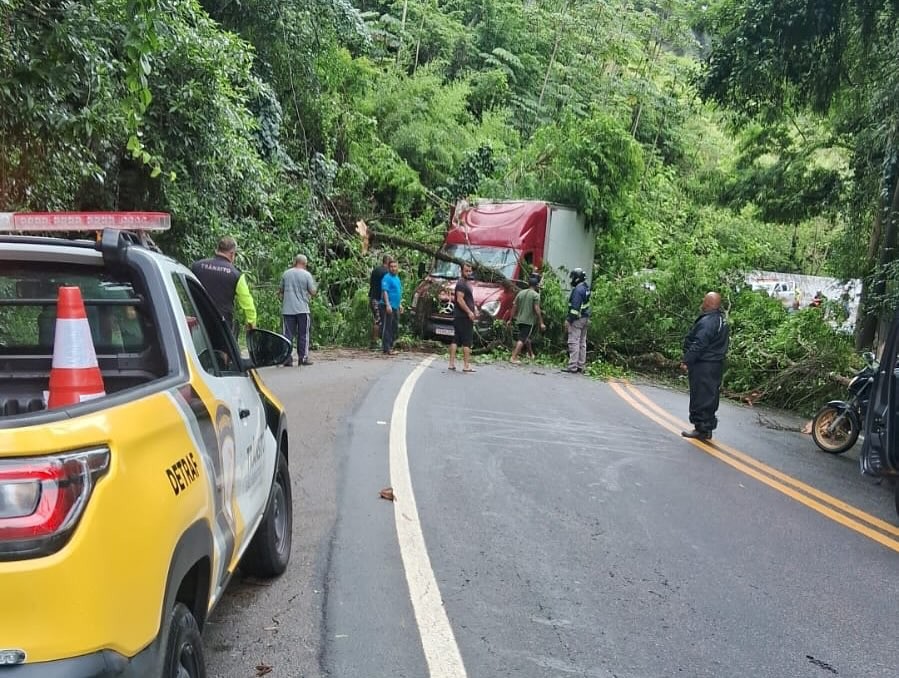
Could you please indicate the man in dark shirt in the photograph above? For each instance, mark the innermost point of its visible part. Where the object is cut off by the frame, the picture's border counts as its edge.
(463, 320)
(704, 351)
(224, 283)
(374, 298)
(577, 321)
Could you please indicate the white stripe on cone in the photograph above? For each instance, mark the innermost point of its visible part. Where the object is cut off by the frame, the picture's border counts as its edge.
(73, 345)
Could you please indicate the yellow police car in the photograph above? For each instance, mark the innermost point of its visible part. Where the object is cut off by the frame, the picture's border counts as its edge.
(124, 513)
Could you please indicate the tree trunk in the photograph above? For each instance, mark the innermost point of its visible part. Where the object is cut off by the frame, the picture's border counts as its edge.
(549, 67)
(868, 328)
(648, 63)
(399, 48)
(794, 249)
(485, 273)
(418, 41)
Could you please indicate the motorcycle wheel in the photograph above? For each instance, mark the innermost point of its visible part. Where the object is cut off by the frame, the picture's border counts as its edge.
(842, 438)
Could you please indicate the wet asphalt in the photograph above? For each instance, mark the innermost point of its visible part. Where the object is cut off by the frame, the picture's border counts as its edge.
(571, 531)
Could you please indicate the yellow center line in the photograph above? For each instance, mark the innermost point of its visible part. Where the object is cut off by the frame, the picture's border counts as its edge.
(652, 412)
(783, 477)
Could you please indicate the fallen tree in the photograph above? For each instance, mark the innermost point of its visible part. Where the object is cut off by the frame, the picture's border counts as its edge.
(374, 233)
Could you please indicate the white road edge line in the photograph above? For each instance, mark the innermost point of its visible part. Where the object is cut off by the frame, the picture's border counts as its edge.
(437, 639)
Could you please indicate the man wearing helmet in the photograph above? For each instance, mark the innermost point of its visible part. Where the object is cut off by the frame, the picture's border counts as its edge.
(577, 320)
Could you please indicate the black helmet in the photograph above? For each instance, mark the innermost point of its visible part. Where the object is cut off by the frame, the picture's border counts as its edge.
(577, 276)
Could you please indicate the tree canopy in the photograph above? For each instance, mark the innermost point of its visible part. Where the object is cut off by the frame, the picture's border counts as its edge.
(713, 137)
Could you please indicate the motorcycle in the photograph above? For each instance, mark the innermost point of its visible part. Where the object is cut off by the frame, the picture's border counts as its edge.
(837, 425)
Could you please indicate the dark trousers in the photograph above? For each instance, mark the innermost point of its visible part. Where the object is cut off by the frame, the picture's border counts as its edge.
(705, 384)
(299, 326)
(390, 323)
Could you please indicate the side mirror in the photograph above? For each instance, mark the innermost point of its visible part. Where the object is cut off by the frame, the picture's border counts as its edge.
(422, 269)
(267, 348)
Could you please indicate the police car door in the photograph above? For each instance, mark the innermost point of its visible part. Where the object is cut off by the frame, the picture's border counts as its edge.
(246, 456)
(880, 450)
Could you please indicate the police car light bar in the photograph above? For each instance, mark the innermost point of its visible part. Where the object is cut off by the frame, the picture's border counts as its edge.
(42, 222)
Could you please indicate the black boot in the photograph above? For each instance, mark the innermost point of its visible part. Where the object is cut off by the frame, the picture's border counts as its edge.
(697, 434)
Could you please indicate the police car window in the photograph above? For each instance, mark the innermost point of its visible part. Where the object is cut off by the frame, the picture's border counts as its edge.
(215, 348)
(115, 311)
(197, 332)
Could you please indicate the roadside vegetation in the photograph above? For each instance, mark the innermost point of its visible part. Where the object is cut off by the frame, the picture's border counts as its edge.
(701, 139)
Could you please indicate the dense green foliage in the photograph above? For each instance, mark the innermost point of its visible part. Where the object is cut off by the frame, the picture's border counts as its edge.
(285, 122)
(776, 60)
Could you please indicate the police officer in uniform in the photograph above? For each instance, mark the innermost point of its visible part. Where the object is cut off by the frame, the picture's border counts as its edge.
(577, 321)
(704, 351)
(225, 283)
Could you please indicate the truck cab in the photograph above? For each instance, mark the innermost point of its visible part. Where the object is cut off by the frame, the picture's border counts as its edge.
(511, 239)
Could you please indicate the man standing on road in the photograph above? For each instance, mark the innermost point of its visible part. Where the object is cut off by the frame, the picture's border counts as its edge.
(374, 299)
(527, 313)
(225, 282)
(296, 289)
(392, 303)
(704, 351)
(577, 321)
(463, 320)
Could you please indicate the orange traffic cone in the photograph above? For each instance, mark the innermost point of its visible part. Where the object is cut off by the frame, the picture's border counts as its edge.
(75, 375)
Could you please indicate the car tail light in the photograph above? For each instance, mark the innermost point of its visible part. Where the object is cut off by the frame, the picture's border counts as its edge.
(42, 499)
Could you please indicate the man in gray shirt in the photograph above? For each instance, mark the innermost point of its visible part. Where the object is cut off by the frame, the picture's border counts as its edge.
(296, 289)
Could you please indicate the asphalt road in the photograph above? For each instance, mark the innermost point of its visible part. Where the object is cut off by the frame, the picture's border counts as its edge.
(569, 531)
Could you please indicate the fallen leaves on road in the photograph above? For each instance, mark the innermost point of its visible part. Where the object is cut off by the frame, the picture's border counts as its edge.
(263, 669)
(387, 493)
(807, 429)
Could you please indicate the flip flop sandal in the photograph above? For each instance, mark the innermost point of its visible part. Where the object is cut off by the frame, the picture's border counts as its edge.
(452, 367)
(469, 370)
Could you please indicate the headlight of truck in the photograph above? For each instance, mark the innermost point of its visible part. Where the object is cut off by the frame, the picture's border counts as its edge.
(491, 308)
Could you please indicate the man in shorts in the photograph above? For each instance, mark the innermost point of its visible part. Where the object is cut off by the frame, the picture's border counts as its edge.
(526, 312)
(463, 320)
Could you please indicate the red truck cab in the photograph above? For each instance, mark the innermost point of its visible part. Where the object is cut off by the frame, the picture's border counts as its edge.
(511, 238)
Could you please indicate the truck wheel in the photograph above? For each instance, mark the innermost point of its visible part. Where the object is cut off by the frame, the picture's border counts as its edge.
(184, 646)
(269, 552)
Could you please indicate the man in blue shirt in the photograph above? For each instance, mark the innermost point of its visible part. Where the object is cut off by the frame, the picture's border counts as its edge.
(392, 301)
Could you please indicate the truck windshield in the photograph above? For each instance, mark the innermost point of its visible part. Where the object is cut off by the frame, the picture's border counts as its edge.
(500, 259)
